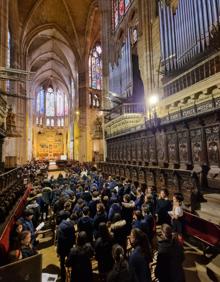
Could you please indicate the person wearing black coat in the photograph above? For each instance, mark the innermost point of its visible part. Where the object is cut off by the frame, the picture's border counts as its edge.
(103, 250)
(85, 223)
(121, 271)
(79, 260)
(127, 211)
(163, 205)
(65, 239)
(141, 256)
(147, 223)
(170, 258)
(100, 216)
(86, 196)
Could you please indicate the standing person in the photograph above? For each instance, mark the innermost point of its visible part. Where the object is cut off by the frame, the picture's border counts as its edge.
(162, 207)
(79, 260)
(177, 215)
(170, 258)
(85, 223)
(46, 196)
(147, 224)
(103, 251)
(121, 270)
(65, 240)
(141, 256)
(100, 216)
(127, 211)
(119, 230)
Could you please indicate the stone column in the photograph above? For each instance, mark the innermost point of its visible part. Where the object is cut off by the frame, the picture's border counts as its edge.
(83, 124)
(105, 7)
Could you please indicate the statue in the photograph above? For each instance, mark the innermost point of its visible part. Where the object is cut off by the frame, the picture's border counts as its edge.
(10, 124)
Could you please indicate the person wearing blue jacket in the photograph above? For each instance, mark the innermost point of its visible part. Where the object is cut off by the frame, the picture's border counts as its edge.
(65, 240)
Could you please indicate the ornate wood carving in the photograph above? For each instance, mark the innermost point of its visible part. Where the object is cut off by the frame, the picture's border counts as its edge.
(212, 139)
(183, 147)
(172, 148)
(141, 175)
(150, 178)
(134, 174)
(127, 173)
(145, 150)
(161, 147)
(152, 149)
(196, 145)
(160, 180)
(122, 171)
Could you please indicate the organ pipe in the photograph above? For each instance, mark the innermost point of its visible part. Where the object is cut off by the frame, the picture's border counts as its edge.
(186, 33)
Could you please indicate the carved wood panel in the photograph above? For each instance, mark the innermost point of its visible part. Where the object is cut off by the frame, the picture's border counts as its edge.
(172, 182)
(161, 146)
(127, 173)
(196, 145)
(150, 178)
(186, 187)
(152, 149)
(141, 176)
(133, 150)
(212, 140)
(129, 151)
(172, 148)
(122, 171)
(160, 180)
(117, 171)
(145, 149)
(183, 146)
(134, 175)
(139, 149)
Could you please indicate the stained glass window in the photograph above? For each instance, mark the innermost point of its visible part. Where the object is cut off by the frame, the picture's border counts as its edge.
(48, 122)
(95, 67)
(127, 2)
(119, 8)
(40, 102)
(116, 16)
(60, 103)
(50, 102)
(53, 105)
(66, 106)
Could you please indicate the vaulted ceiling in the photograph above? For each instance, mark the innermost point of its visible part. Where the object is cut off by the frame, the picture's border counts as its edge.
(70, 16)
(56, 36)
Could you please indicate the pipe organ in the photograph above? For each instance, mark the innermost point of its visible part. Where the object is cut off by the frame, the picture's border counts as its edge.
(120, 74)
(186, 32)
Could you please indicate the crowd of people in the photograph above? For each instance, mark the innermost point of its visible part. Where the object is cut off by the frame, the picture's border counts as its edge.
(110, 220)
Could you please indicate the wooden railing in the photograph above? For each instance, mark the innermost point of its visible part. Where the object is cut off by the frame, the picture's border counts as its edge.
(9, 178)
(126, 108)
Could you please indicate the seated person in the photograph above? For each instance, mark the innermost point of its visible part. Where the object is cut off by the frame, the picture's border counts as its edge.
(27, 249)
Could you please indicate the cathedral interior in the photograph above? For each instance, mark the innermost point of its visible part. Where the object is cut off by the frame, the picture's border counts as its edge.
(112, 94)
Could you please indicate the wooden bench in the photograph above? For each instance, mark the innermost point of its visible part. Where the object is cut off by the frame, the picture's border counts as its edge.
(206, 232)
